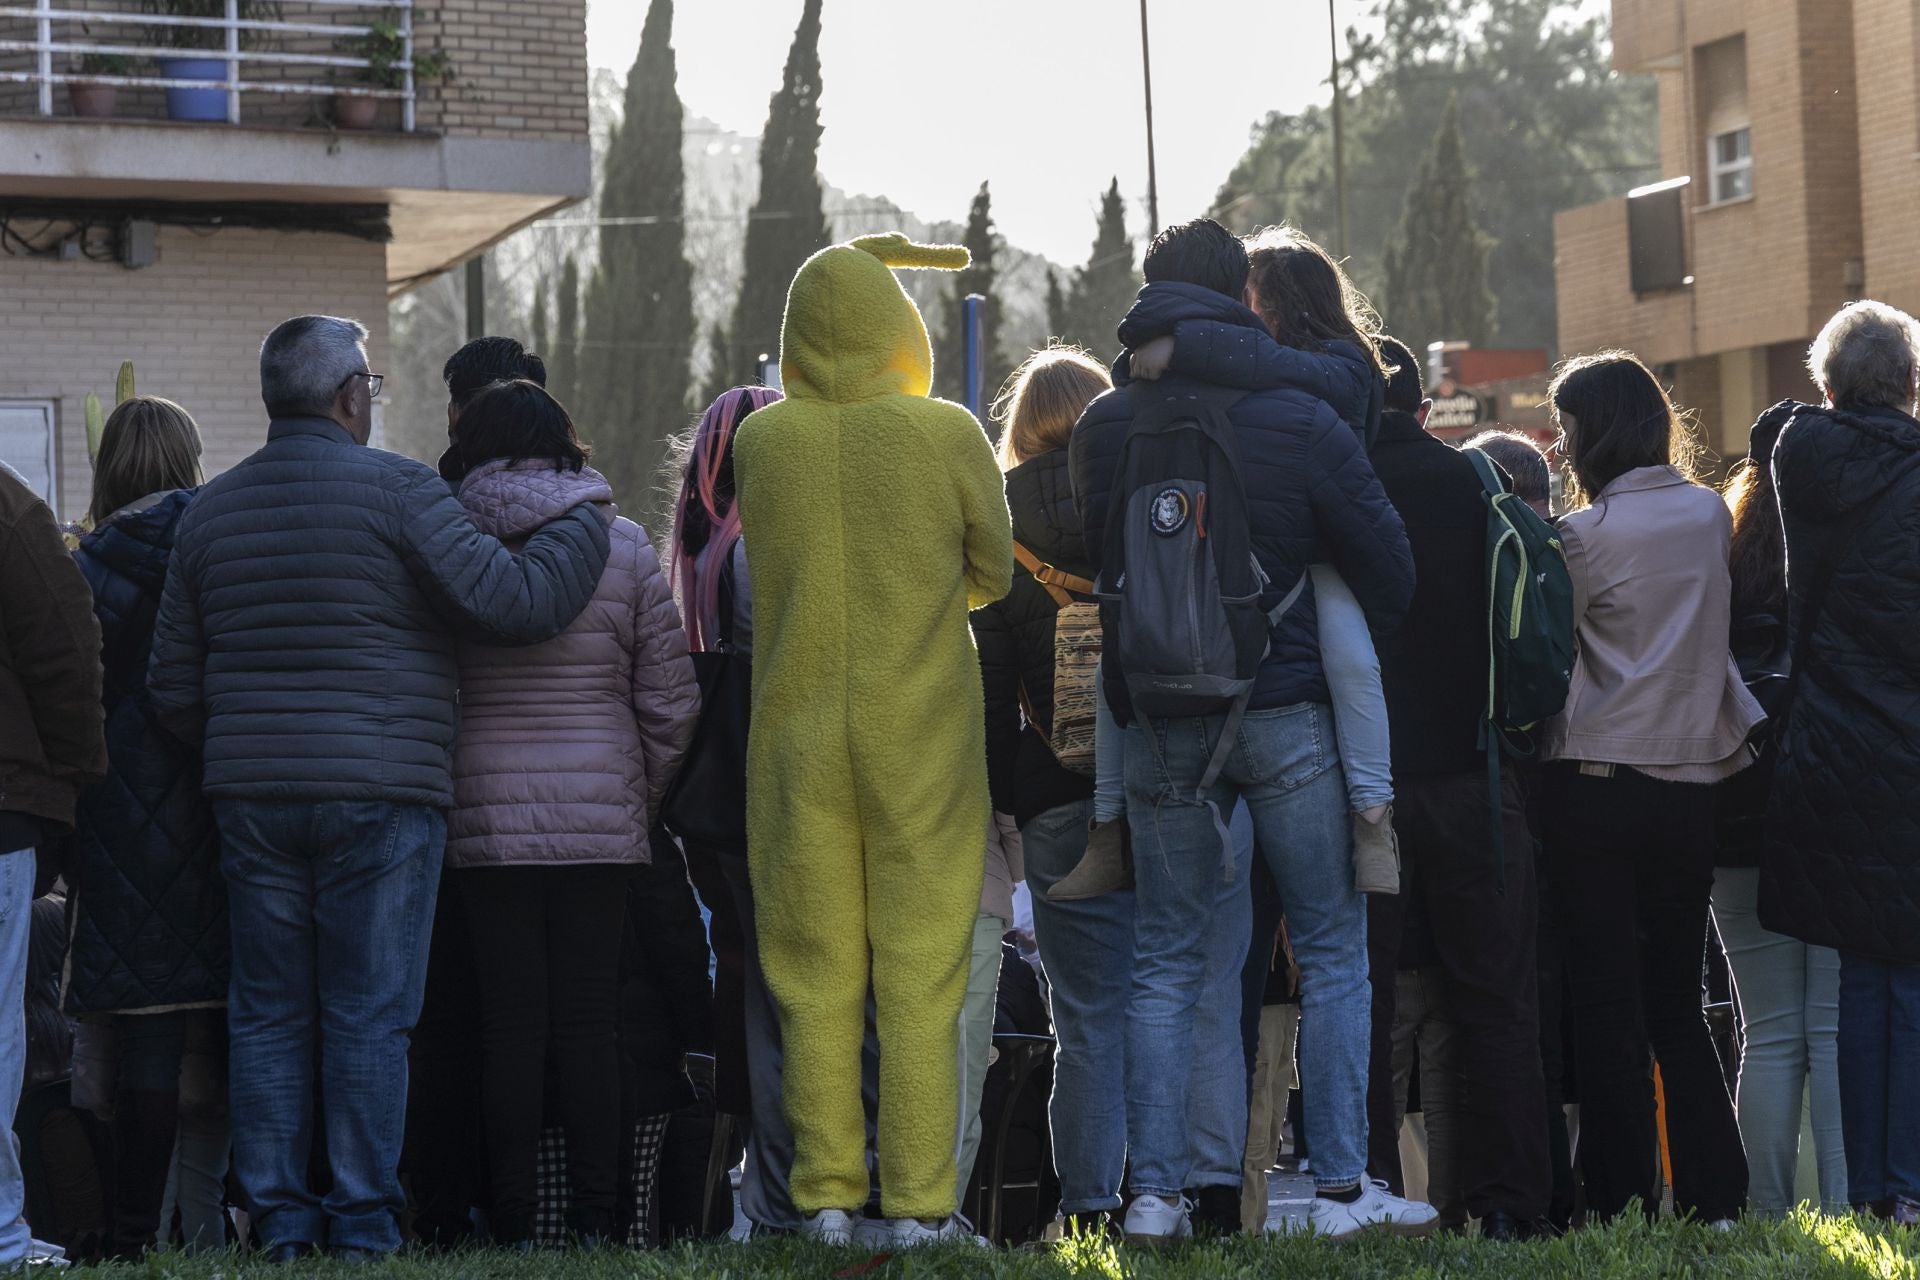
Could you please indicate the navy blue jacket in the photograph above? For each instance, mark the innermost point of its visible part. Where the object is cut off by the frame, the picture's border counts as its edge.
(1841, 866)
(311, 608)
(1312, 495)
(147, 910)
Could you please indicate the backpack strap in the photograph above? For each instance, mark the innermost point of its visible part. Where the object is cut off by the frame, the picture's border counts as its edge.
(1490, 736)
(1059, 584)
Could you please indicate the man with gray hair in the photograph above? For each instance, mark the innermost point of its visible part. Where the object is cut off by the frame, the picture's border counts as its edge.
(1525, 465)
(1841, 865)
(306, 640)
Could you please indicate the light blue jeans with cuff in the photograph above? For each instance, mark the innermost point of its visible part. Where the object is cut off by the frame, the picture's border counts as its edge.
(1352, 668)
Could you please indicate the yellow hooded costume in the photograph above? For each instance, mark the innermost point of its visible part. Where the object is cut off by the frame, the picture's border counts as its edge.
(876, 518)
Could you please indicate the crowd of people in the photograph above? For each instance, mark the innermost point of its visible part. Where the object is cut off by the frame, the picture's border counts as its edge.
(412, 824)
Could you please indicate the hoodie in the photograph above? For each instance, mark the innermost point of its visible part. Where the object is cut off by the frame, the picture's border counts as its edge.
(566, 748)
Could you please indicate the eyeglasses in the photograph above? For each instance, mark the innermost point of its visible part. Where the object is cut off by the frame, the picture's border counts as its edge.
(374, 382)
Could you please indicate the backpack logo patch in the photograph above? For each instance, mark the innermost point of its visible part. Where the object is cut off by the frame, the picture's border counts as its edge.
(1169, 512)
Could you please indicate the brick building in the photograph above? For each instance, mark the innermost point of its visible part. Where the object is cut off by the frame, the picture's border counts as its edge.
(1788, 136)
(178, 243)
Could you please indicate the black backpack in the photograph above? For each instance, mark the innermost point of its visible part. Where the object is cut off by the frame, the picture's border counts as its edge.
(1192, 612)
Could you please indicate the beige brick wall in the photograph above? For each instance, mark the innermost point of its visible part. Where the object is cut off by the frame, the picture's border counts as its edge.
(192, 325)
(1597, 307)
(1887, 34)
(521, 67)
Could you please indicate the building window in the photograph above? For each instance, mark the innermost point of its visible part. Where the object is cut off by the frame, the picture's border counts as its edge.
(1730, 164)
(1725, 119)
(27, 445)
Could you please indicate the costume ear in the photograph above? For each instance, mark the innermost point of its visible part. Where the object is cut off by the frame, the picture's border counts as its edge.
(896, 250)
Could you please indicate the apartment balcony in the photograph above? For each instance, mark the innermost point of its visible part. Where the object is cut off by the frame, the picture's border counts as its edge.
(454, 126)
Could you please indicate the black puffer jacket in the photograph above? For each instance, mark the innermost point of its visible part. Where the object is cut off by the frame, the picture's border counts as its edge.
(309, 618)
(147, 912)
(1015, 638)
(1312, 496)
(1842, 863)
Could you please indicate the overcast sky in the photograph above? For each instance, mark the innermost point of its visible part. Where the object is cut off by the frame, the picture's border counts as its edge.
(1042, 98)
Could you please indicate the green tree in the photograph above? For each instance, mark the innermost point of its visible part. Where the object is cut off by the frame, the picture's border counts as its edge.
(538, 327)
(635, 347)
(563, 362)
(1104, 288)
(1436, 267)
(1057, 317)
(1545, 125)
(722, 375)
(786, 225)
(981, 277)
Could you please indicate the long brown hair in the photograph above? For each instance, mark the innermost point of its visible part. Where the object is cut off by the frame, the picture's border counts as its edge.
(1757, 556)
(149, 445)
(1038, 406)
(1304, 296)
(1615, 417)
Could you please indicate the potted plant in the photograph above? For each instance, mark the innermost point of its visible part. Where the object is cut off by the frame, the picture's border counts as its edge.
(385, 50)
(191, 61)
(96, 101)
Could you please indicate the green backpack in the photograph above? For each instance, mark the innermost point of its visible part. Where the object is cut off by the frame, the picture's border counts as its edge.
(1529, 630)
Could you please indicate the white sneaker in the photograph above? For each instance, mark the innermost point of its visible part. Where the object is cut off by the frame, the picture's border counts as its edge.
(1377, 1209)
(829, 1226)
(875, 1235)
(911, 1233)
(1155, 1219)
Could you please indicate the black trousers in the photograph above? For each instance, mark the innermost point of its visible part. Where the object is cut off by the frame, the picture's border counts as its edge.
(1630, 861)
(546, 954)
(1483, 923)
(441, 1155)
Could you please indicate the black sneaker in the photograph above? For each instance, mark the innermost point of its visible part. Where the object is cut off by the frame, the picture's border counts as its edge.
(1216, 1211)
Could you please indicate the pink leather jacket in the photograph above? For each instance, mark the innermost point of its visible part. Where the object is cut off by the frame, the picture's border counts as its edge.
(1654, 683)
(566, 748)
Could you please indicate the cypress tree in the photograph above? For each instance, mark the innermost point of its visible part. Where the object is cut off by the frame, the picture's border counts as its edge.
(637, 350)
(538, 325)
(563, 362)
(981, 277)
(1437, 265)
(786, 225)
(1058, 320)
(1108, 284)
(722, 375)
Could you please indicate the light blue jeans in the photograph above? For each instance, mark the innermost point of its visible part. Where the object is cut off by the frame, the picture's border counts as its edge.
(1790, 1005)
(1286, 767)
(1352, 667)
(1085, 946)
(16, 917)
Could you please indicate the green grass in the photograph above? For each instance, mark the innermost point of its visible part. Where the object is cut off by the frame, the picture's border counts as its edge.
(1806, 1245)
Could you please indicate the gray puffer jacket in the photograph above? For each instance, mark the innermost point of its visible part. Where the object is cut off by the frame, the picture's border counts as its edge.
(567, 748)
(306, 634)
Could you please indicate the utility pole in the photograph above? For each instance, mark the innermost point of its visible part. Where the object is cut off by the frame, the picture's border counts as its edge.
(1339, 140)
(1153, 185)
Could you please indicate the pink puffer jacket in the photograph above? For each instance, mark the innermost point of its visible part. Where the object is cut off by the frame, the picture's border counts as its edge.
(567, 748)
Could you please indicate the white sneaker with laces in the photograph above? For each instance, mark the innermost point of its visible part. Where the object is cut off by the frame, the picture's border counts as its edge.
(1377, 1209)
(911, 1233)
(829, 1226)
(1155, 1219)
(872, 1234)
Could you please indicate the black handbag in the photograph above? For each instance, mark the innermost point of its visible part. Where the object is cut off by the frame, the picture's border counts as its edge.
(707, 805)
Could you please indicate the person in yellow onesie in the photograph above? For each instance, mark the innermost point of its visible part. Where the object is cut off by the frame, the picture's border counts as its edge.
(876, 519)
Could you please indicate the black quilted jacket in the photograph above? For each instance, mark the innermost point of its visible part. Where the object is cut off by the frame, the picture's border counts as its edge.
(1312, 496)
(312, 602)
(1842, 862)
(1015, 637)
(147, 910)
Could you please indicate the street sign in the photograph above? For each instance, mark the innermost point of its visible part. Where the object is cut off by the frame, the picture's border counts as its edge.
(1456, 411)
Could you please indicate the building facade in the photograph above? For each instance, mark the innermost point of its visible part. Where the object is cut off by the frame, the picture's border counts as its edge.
(210, 199)
(1790, 152)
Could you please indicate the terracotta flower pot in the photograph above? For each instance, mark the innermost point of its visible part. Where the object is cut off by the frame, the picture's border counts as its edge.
(93, 101)
(351, 111)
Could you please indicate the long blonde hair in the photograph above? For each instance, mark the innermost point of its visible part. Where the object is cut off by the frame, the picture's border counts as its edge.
(149, 445)
(1038, 406)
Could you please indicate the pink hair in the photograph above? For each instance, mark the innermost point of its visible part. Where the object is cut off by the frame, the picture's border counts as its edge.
(708, 460)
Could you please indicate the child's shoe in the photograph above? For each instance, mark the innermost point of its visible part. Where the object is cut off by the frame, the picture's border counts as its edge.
(1376, 854)
(1106, 866)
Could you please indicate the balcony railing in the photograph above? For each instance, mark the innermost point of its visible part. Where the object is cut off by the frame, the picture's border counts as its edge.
(261, 56)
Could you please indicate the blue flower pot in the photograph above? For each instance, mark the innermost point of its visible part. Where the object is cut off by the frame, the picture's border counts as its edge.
(194, 104)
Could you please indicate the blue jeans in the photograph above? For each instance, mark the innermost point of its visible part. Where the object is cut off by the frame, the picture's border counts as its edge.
(1880, 1077)
(1109, 758)
(16, 919)
(1352, 667)
(1790, 1010)
(1286, 768)
(332, 905)
(1084, 947)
